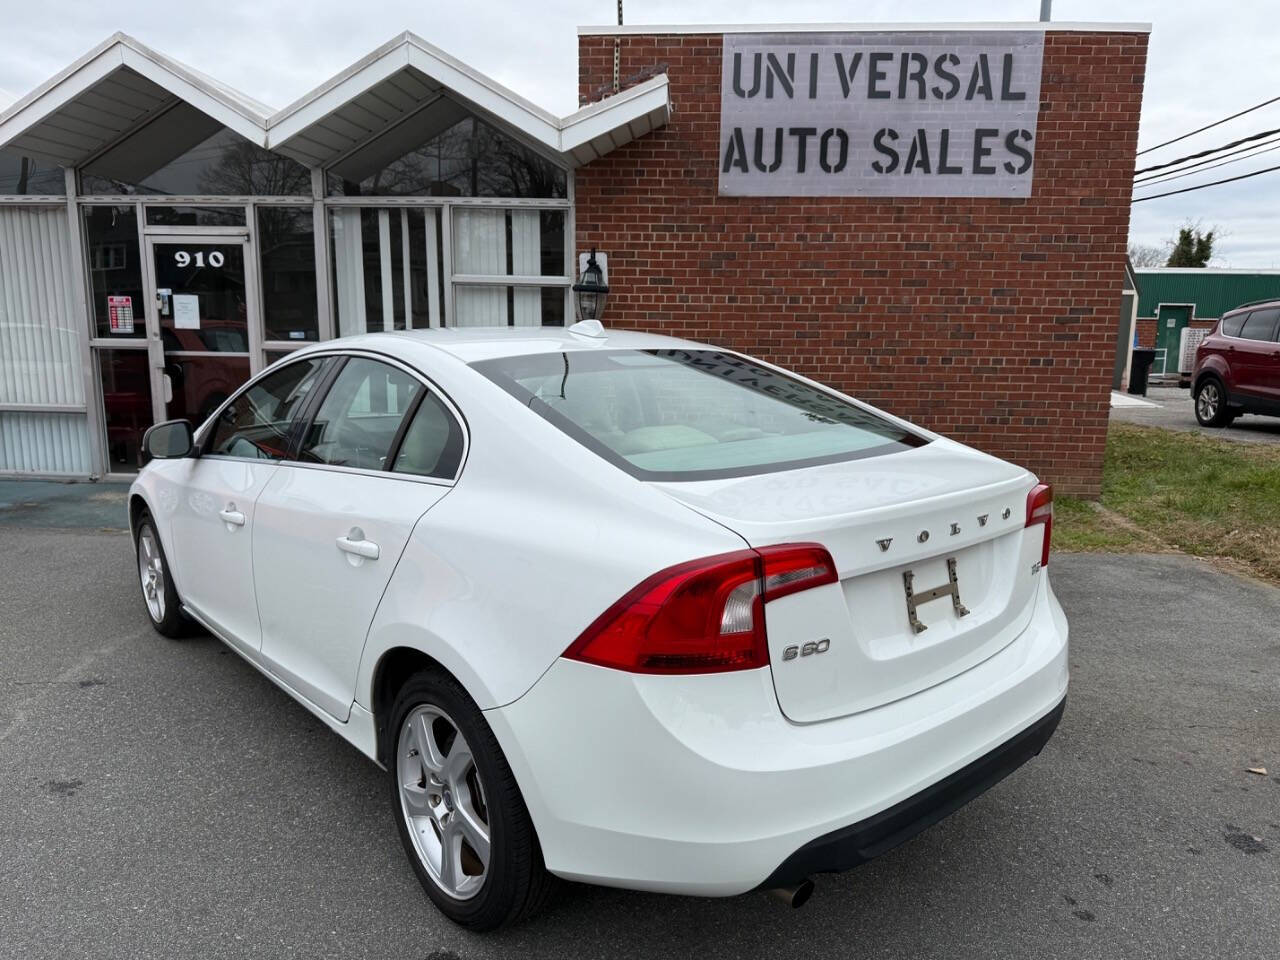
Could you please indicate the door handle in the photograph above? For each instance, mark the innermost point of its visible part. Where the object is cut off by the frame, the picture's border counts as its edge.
(231, 515)
(359, 547)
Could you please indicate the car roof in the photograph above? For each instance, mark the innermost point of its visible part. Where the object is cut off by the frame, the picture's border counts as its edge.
(469, 344)
(1254, 305)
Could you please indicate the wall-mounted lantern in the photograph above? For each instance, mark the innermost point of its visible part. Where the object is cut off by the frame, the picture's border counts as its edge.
(592, 289)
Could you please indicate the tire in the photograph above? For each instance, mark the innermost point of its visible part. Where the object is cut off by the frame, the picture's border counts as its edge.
(159, 596)
(444, 796)
(1211, 403)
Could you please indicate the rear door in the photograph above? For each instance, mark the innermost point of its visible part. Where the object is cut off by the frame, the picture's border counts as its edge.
(381, 450)
(213, 510)
(1270, 378)
(1251, 355)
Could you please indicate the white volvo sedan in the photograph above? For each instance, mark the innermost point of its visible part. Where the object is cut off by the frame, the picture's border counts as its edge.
(614, 607)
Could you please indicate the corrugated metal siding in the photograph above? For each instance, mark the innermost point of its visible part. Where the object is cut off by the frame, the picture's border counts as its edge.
(1213, 293)
(40, 360)
(39, 336)
(44, 443)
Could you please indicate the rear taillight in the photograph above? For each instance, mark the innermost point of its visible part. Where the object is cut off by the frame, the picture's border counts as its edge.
(704, 616)
(1040, 510)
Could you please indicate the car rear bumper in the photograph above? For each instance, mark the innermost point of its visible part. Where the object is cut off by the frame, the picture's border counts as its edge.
(859, 842)
(699, 784)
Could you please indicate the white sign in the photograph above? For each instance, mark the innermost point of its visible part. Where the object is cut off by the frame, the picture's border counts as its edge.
(918, 114)
(186, 311)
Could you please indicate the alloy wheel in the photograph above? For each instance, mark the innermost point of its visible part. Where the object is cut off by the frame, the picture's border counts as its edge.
(1207, 401)
(443, 803)
(151, 573)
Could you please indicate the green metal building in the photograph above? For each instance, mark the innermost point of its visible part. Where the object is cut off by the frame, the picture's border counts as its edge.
(1172, 299)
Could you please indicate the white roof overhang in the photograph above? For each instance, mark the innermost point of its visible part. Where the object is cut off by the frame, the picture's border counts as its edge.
(114, 89)
(371, 113)
(361, 108)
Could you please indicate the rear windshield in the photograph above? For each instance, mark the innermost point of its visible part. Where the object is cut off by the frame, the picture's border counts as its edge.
(693, 414)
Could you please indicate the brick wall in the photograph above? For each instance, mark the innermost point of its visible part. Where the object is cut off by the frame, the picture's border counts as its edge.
(990, 320)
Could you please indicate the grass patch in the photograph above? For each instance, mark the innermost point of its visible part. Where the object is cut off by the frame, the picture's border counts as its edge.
(1080, 526)
(1163, 489)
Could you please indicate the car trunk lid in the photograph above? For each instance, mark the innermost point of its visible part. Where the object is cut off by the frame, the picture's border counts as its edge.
(936, 572)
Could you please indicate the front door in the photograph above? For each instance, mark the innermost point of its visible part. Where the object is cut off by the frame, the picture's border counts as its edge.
(200, 319)
(212, 503)
(1171, 320)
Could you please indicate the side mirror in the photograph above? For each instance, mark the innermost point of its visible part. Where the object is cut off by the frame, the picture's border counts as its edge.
(170, 440)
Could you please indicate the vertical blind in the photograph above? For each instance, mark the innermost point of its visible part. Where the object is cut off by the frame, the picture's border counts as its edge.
(40, 361)
(387, 267)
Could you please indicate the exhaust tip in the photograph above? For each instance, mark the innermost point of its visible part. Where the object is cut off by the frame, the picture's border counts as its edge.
(794, 895)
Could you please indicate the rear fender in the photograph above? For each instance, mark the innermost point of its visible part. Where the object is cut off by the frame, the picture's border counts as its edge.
(1213, 365)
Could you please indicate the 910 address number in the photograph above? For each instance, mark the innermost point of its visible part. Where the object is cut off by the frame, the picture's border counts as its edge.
(184, 259)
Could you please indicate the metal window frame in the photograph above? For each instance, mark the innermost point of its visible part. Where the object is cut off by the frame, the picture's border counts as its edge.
(92, 345)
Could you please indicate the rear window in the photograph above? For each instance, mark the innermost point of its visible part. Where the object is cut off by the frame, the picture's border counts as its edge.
(1231, 325)
(1261, 325)
(693, 414)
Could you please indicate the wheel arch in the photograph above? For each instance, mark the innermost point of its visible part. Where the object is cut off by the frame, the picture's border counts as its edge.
(137, 507)
(1213, 368)
(395, 664)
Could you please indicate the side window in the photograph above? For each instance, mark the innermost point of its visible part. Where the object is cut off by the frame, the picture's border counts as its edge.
(1231, 325)
(360, 416)
(256, 424)
(432, 446)
(1261, 325)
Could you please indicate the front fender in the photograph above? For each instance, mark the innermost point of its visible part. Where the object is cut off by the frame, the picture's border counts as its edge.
(159, 493)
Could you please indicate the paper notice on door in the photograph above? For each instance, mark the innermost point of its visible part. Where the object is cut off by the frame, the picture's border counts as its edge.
(120, 314)
(186, 311)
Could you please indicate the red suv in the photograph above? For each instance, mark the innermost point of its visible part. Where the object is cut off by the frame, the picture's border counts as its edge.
(1238, 365)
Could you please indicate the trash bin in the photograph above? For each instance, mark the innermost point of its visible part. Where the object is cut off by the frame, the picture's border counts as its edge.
(1143, 357)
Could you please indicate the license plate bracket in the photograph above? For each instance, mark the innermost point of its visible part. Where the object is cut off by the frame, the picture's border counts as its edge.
(915, 599)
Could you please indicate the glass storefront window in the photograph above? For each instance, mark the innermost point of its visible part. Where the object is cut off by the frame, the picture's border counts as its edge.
(21, 175)
(508, 243)
(201, 381)
(459, 156)
(387, 268)
(126, 400)
(195, 216)
(286, 240)
(115, 271)
(495, 305)
(186, 153)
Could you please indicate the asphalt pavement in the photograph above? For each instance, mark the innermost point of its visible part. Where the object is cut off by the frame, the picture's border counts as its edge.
(162, 799)
(1172, 408)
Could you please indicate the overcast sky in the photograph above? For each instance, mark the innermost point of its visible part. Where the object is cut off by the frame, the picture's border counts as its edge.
(1206, 61)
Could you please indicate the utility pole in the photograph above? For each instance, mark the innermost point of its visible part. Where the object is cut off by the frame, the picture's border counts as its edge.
(1046, 10)
(617, 48)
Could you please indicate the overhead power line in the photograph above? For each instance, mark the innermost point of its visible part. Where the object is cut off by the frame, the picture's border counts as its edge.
(1205, 153)
(1209, 163)
(1201, 186)
(1209, 126)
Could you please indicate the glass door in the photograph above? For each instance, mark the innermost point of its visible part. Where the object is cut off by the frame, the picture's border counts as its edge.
(202, 323)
